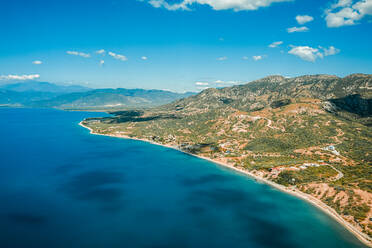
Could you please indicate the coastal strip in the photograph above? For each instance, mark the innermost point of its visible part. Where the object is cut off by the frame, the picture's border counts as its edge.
(364, 238)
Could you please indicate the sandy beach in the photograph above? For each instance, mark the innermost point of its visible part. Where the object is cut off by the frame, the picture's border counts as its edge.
(364, 238)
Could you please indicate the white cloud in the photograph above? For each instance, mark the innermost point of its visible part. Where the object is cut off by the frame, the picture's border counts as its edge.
(202, 88)
(305, 52)
(118, 56)
(219, 82)
(19, 77)
(85, 55)
(341, 3)
(222, 58)
(297, 29)
(202, 83)
(144, 58)
(345, 12)
(275, 44)
(165, 4)
(245, 57)
(302, 19)
(101, 51)
(101, 62)
(344, 17)
(257, 57)
(37, 62)
(330, 51)
(312, 54)
(236, 5)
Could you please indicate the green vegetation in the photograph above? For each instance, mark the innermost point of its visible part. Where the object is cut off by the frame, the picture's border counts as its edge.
(267, 144)
(312, 174)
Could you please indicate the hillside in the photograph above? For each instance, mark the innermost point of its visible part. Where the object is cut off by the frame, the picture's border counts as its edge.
(311, 134)
(47, 95)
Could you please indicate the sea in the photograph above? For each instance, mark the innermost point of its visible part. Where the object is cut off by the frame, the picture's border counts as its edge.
(61, 186)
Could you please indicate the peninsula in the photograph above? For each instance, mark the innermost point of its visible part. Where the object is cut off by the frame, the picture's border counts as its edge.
(309, 136)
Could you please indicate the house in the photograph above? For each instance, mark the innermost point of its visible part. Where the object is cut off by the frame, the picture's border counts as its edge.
(306, 165)
(332, 149)
(336, 153)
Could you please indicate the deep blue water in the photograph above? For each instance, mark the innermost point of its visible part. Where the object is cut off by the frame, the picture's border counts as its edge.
(63, 187)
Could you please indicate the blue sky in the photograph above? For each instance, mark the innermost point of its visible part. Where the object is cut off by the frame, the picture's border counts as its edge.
(181, 45)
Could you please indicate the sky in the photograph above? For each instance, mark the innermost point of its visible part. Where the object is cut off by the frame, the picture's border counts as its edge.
(181, 45)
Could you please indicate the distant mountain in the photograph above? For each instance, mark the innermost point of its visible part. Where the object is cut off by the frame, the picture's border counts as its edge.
(14, 98)
(43, 87)
(48, 95)
(112, 98)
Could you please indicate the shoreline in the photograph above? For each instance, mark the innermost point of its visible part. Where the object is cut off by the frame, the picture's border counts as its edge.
(362, 237)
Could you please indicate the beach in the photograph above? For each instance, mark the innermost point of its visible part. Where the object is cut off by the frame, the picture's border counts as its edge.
(292, 190)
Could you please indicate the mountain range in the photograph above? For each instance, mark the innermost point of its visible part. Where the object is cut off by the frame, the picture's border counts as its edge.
(48, 95)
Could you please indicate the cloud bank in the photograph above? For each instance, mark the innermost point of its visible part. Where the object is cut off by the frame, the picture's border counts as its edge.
(236, 5)
(202, 85)
(19, 77)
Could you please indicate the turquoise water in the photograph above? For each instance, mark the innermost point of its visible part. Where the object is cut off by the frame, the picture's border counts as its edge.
(63, 187)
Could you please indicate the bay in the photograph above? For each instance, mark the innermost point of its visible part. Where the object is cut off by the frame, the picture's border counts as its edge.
(63, 187)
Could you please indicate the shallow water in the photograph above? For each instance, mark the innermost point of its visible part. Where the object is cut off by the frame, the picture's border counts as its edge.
(63, 187)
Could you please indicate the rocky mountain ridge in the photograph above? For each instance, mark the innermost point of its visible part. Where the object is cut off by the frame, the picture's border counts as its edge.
(261, 93)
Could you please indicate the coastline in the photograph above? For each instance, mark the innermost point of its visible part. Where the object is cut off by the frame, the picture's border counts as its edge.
(362, 237)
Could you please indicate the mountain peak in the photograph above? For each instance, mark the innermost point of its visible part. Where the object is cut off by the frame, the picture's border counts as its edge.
(273, 78)
(358, 75)
(316, 77)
